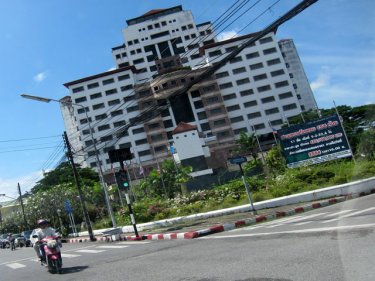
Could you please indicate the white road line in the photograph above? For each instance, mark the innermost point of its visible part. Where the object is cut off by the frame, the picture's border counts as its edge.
(350, 215)
(274, 225)
(15, 265)
(90, 251)
(302, 223)
(307, 217)
(339, 213)
(311, 230)
(112, 247)
(69, 255)
(132, 242)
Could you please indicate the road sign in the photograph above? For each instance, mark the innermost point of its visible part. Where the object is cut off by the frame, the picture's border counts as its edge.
(237, 160)
(314, 142)
(68, 207)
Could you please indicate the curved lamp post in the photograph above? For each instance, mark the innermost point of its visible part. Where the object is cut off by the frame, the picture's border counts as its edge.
(47, 100)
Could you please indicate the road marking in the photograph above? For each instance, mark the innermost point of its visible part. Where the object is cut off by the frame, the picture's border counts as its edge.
(90, 251)
(293, 220)
(132, 242)
(307, 217)
(112, 247)
(275, 225)
(15, 265)
(311, 230)
(350, 215)
(69, 255)
(302, 223)
(339, 213)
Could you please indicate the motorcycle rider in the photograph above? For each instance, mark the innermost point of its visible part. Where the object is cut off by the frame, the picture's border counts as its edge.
(11, 241)
(43, 231)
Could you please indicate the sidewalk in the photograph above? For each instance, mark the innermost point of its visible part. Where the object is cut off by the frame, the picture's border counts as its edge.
(221, 220)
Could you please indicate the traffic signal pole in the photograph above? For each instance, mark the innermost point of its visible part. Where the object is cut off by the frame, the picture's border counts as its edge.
(123, 183)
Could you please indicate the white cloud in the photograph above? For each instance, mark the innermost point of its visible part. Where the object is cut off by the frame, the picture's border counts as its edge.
(9, 186)
(40, 77)
(323, 80)
(227, 35)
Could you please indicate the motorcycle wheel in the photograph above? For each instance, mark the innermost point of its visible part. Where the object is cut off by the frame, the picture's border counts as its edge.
(59, 265)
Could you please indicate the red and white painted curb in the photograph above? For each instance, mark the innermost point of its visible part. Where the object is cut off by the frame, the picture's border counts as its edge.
(228, 226)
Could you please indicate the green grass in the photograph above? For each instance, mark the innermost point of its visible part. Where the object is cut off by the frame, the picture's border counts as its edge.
(233, 194)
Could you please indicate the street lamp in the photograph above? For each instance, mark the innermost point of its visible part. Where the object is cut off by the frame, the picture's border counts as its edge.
(47, 100)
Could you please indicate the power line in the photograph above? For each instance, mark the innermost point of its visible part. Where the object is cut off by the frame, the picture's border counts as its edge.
(37, 138)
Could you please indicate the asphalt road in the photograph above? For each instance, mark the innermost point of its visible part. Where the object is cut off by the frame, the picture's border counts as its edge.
(331, 243)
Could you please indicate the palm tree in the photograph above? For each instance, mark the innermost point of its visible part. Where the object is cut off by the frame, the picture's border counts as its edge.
(247, 144)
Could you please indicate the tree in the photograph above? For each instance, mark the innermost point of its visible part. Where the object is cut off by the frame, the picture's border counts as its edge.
(275, 160)
(366, 146)
(247, 144)
(64, 174)
(166, 182)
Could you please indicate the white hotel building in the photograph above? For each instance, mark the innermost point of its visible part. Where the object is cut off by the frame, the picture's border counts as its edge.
(165, 49)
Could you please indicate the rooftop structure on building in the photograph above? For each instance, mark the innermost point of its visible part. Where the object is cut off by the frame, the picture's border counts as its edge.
(163, 50)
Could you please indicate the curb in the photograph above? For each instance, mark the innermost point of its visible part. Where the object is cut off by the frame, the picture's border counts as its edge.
(228, 226)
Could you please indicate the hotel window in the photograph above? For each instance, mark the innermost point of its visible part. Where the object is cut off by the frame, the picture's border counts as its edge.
(104, 127)
(96, 96)
(285, 95)
(252, 55)
(100, 116)
(235, 59)
(233, 107)
(247, 92)
(268, 99)
(259, 126)
(271, 111)
(289, 106)
(108, 81)
(277, 72)
(236, 119)
(243, 81)
(98, 106)
(116, 112)
(260, 77)
(78, 89)
(269, 51)
(239, 70)
(256, 66)
(119, 123)
(265, 40)
(250, 103)
(113, 102)
(92, 85)
(273, 62)
(264, 88)
(225, 85)
(222, 74)
(281, 84)
(111, 92)
(229, 97)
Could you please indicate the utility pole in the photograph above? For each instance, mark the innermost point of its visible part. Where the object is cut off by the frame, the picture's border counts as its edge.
(23, 208)
(81, 196)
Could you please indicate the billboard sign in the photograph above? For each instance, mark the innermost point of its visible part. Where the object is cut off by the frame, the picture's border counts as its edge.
(314, 142)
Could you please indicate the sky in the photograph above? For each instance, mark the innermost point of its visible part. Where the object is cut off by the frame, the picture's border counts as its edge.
(47, 43)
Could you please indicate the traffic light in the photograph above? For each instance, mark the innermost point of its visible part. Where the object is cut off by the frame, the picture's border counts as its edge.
(122, 179)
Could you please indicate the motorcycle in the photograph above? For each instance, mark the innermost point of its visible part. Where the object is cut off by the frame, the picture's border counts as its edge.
(50, 250)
